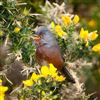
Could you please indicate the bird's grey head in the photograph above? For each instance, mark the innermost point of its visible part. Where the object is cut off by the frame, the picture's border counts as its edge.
(46, 36)
(41, 30)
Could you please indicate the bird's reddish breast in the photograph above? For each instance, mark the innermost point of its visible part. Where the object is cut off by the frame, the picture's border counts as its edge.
(50, 55)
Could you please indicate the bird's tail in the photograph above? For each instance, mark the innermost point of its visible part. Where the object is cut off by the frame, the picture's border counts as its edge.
(67, 74)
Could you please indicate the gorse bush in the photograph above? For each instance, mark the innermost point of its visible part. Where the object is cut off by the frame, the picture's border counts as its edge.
(17, 25)
(44, 85)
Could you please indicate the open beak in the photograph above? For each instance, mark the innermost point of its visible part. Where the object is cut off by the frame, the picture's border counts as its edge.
(36, 38)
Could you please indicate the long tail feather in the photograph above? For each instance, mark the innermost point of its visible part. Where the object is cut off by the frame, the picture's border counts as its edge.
(67, 74)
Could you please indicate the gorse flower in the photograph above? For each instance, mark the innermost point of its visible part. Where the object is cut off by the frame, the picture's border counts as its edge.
(86, 36)
(96, 48)
(51, 71)
(3, 89)
(59, 31)
(0, 82)
(87, 44)
(66, 19)
(53, 25)
(41, 84)
(45, 72)
(26, 12)
(76, 19)
(35, 77)
(43, 92)
(44, 98)
(1, 33)
(22, 97)
(93, 35)
(59, 78)
(92, 23)
(17, 29)
(28, 83)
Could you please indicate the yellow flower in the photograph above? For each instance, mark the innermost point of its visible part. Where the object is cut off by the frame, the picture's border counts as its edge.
(59, 31)
(1, 97)
(28, 83)
(0, 81)
(92, 23)
(88, 36)
(87, 44)
(22, 97)
(3, 89)
(58, 28)
(84, 34)
(93, 35)
(26, 12)
(66, 19)
(1, 33)
(62, 34)
(53, 25)
(44, 98)
(76, 19)
(45, 71)
(17, 29)
(55, 97)
(43, 92)
(96, 48)
(59, 78)
(35, 77)
(53, 70)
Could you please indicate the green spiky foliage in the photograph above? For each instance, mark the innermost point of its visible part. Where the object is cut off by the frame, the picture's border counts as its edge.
(17, 24)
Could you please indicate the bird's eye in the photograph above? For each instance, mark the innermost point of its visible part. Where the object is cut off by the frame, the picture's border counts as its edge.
(41, 35)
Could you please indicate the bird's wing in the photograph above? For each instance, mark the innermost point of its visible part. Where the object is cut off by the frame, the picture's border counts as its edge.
(50, 55)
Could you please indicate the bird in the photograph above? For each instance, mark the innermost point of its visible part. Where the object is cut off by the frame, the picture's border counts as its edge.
(48, 51)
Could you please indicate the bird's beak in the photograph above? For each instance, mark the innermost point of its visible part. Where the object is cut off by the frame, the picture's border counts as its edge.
(36, 38)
